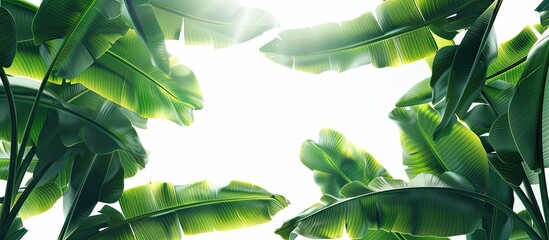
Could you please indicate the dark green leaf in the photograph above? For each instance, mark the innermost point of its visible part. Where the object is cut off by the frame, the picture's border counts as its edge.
(8, 38)
(393, 205)
(480, 119)
(75, 33)
(164, 211)
(16, 230)
(460, 152)
(94, 178)
(498, 94)
(502, 140)
(468, 72)
(510, 172)
(497, 224)
(23, 12)
(141, 18)
(543, 6)
(441, 70)
(528, 108)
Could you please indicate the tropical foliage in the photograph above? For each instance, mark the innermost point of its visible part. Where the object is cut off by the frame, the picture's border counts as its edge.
(77, 78)
(473, 134)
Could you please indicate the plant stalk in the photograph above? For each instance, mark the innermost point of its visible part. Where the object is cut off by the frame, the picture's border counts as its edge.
(530, 193)
(11, 188)
(532, 209)
(25, 165)
(544, 197)
(21, 200)
(32, 114)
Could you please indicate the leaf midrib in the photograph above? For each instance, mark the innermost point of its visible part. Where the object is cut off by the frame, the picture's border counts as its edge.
(173, 209)
(387, 35)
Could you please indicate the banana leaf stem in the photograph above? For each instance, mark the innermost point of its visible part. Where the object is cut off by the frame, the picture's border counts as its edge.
(11, 188)
(533, 210)
(32, 114)
(25, 165)
(21, 200)
(544, 196)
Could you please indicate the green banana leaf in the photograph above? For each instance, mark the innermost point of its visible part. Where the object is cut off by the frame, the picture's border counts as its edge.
(392, 205)
(418, 94)
(468, 71)
(527, 110)
(507, 67)
(503, 142)
(171, 96)
(498, 94)
(497, 224)
(8, 38)
(442, 64)
(141, 18)
(220, 23)
(460, 152)
(165, 211)
(23, 13)
(401, 32)
(16, 230)
(335, 162)
(544, 18)
(122, 76)
(479, 234)
(512, 57)
(81, 97)
(104, 130)
(543, 6)
(40, 200)
(518, 233)
(480, 119)
(94, 178)
(75, 33)
(510, 172)
(383, 235)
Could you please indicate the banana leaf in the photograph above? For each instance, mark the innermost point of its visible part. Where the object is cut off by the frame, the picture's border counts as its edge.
(124, 75)
(8, 38)
(104, 131)
(507, 67)
(460, 152)
(335, 162)
(528, 110)
(497, 224)
(468, 71)
(141, 18)
(74, 34)
(518, 233)
(220, 23)
(94, 178)
(392, 205)
(165, 211)
(401, 32)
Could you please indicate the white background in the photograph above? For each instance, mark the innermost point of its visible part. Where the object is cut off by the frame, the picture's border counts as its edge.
(258, 113)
